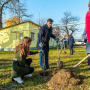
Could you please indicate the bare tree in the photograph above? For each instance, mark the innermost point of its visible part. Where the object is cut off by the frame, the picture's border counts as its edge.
(4, 4)
(41, 21)
(69, 19)
(57, 32)
(21, 13)
(15, 7)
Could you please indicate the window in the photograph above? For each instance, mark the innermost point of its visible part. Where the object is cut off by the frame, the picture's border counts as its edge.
(20, 36)
(33, 36)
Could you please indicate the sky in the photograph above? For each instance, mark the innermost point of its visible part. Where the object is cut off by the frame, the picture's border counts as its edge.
(55, 8)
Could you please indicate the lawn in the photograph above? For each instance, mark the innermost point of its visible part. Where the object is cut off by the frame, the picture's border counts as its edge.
(38, 82)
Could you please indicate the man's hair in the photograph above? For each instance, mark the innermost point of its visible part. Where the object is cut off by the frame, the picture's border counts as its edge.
(49, 20)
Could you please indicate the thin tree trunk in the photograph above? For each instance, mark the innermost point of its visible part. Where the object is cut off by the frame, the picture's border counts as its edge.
(0, 18)
(67, 35)
(67, 32)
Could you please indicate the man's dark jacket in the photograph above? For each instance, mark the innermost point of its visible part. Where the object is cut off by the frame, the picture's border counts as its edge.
(71, 41)
(44, 36)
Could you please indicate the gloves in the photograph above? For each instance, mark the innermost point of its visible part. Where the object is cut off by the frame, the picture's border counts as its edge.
(40, 51)
(56, 39)
(40, 44)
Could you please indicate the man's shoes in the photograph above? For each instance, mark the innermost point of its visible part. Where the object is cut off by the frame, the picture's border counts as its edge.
(28, 75)
(18, 79)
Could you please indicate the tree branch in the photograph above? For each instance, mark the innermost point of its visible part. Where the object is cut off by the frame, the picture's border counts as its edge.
(5, 3)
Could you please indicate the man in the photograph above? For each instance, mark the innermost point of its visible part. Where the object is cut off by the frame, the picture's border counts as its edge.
(44, 35)
(70, 43)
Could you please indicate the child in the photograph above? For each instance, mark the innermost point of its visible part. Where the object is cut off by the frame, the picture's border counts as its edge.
(63, 44)
(21, 65)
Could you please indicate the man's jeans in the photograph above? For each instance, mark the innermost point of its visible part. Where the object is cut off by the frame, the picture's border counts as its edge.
(46, 59)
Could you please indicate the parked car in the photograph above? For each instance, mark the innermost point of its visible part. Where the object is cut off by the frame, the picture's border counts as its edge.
(79, 42)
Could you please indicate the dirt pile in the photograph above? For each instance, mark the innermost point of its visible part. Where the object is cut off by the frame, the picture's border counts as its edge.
(64, 80)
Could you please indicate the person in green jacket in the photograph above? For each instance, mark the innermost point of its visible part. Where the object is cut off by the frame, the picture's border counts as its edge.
(21, 66)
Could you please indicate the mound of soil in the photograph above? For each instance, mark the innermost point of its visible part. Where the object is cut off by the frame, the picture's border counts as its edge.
(64, 80)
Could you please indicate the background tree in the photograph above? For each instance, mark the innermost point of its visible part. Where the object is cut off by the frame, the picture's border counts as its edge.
(41, 21)
(69, 19)
(16, 9)
(21, 13)
(4, 4)
(12, 21)
(57, 32)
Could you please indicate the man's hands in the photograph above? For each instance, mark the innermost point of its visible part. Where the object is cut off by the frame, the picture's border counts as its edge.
(41, 44)
(56, 39)
(40, 51)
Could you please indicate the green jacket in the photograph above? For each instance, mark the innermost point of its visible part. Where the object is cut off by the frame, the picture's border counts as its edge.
(19, 67)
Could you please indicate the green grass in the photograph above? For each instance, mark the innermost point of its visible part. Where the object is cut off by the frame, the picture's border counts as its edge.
(38, 82)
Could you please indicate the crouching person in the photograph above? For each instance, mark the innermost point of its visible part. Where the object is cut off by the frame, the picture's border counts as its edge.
(21, 66)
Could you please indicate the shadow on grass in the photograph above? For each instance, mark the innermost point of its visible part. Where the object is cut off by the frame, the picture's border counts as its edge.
(36, 81)
(77, 70)
(75, 62)
(4, 64)
(33, 82)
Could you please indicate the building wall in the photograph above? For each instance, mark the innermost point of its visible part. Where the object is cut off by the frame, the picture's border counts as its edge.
(8, 39)
(35, 31)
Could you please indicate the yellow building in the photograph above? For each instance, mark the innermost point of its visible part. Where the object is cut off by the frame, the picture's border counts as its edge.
(11, 36)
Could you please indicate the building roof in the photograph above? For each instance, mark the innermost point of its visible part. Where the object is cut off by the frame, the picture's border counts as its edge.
(21, 23)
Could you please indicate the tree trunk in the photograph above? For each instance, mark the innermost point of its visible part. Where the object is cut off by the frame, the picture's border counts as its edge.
(67, 32)
(0, 18)
(67, 35)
